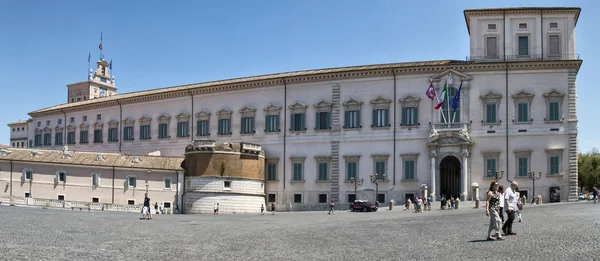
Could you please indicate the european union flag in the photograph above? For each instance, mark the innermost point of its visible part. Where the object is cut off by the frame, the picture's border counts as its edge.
(456, 100)
(110, 64)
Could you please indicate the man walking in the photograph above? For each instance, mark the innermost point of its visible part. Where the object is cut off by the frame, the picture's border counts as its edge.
(510, 202)
(331, 206)
(147, 205)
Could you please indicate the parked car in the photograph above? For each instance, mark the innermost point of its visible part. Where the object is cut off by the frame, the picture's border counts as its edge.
(363, 205)
(581, 196)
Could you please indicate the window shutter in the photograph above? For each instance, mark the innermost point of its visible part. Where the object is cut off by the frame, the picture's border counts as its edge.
(416, 116)
(267, 123)
(220, 126)
(374, 119)
(276, 128)
(328, 120)
(346, 118)
(251, 124)
(358, 119)
(386, 121)
(318, 117)
(293, 121)
(404, 116)
(302, 121)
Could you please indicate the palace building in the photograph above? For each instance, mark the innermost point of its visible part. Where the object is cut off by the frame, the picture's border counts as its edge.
(509, 112)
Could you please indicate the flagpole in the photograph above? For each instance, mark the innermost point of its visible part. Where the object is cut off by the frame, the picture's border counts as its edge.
(101, 46)
(87, 73)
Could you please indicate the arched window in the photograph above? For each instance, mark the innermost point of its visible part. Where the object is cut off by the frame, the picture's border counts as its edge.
(447, 110)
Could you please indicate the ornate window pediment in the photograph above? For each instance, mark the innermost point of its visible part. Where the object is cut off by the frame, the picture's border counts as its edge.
(554, 95)
(38, 130)
(182, 117)
(83, 126)
(128, 121)
(380, 103)
(98, 125)
(164, 118)
(224, 114)
(451, 73)
(352, 104)
(491, 97)
(203, 115)
(47, 129)
(247, 111)
(297, 107)
(522, 96)
(113, 124)
(410, 101)
(323, 106)
(71, 127)
(272, 109)
(145, 120)
(58, 128)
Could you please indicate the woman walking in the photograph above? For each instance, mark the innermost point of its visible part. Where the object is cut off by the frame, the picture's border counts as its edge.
(491, 210)
(501, 192)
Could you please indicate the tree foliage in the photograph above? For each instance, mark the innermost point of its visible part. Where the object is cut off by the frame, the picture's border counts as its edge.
(589, 169)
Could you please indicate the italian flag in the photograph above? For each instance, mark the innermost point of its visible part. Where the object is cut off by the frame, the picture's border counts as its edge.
(444, 96)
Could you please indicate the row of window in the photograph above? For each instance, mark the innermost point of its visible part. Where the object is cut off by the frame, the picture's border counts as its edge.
(19, 129)
(523, 163)
(523, 46)
(324, 198)
(551, 25)
(61, 178)
(18, 144)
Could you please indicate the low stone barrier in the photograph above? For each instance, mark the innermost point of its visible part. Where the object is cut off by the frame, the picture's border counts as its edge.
(74, 205)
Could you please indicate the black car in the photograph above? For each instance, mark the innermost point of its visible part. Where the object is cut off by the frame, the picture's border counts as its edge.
(363, 205)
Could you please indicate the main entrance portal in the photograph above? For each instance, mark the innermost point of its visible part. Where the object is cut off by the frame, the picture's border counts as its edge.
(450, 177)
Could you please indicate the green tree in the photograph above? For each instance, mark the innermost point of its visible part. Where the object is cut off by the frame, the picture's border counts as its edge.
(589, 170)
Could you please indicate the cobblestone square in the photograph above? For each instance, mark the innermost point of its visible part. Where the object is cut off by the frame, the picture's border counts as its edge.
(563, 231)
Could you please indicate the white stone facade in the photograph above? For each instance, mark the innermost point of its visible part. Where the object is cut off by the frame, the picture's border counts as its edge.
(233, 195)
(517, 116)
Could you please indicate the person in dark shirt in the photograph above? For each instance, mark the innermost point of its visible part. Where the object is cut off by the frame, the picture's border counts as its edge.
(147, 205)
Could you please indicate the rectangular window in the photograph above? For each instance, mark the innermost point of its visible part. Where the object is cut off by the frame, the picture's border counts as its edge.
(47, 123)
(272, 198)
(297, 198)
(84, 118)
(297, 171)
(352, 120)
(112, 134)
(380, 169)
(553, 25)
(322, 120)
(490, 165)
(381, 198)
(554, 165)
(351, 170)
(297, 122)
(554, 111)
(247, 125)
(227, 184)
(72, 120)
(380, 118)
(272, 122)
(490, 113)
(131, 202)
(95, 200)
(61, 197)
(491, 50)
(522, 26)
(167, 183)
(95, 179)
(98, 117)
(554, 45)
(83, 136)
(128, 133)
(322, 198)
(523, 167)
(183, 129)
(491, 26)
(523, 112)
(98, 136)
(131, 182)
(224, 128)
(409, 116)
(323, 171)
(163, 130)
(272, 172)
(38, 140)
(27, 174)
(61, 177)
(409, 170)
(39, 124)
(144, 132)
(58, 138)
(71, 137)
(202, 128)
(59, 121)
(523, 45)
(351, 198)
(47, 137)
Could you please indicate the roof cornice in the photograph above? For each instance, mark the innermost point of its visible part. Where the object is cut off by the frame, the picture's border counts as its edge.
(520, 10)
(304, 77)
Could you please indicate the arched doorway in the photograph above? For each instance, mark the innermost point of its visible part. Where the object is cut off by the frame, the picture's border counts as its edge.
(450, 177)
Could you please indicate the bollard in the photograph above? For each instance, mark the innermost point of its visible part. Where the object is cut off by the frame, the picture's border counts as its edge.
(477, 203)
(391, 204)
(456, 203)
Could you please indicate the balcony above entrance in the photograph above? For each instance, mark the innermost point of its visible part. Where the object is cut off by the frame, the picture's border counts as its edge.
(449, 134)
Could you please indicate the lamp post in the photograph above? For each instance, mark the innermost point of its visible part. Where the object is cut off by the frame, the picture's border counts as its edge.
(356, 184)
(533, 178)
(499, 174)
(149, 172)
(376, 178)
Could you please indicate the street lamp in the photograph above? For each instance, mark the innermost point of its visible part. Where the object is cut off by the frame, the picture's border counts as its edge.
(499, 174)
(149, 172)
(376, 178)
(356, 184)
(532, 177)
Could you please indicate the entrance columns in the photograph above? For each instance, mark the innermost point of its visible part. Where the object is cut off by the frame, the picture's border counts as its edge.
(464, 192)
(432, 154)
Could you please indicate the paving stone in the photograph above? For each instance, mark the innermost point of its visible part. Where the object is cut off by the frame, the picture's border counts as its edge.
(563, 231)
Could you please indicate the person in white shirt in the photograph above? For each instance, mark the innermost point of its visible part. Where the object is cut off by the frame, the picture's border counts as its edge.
(510, 203)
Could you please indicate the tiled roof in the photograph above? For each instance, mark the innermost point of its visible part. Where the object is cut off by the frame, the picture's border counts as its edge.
(16, 122)
(247, 79)
(91, 159)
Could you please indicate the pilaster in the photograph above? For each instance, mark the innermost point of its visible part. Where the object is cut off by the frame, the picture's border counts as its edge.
(335, 142)
(573, 142)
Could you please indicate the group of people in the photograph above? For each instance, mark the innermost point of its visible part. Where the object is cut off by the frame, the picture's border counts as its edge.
(499, 200)
(420, 204)
(449, 203)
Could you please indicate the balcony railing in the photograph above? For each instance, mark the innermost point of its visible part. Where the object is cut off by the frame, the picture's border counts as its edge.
(449, 126)
(530, 57)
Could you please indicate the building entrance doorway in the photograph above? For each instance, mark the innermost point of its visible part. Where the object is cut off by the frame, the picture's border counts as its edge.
(450, 177)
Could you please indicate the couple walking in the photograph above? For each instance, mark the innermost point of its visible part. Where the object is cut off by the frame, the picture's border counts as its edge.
(494, 199)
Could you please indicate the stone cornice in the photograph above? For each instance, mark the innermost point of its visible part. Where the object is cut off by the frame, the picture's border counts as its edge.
(520, 11)
(304, 77)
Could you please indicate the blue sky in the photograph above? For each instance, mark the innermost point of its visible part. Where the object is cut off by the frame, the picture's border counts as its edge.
(44, 45)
